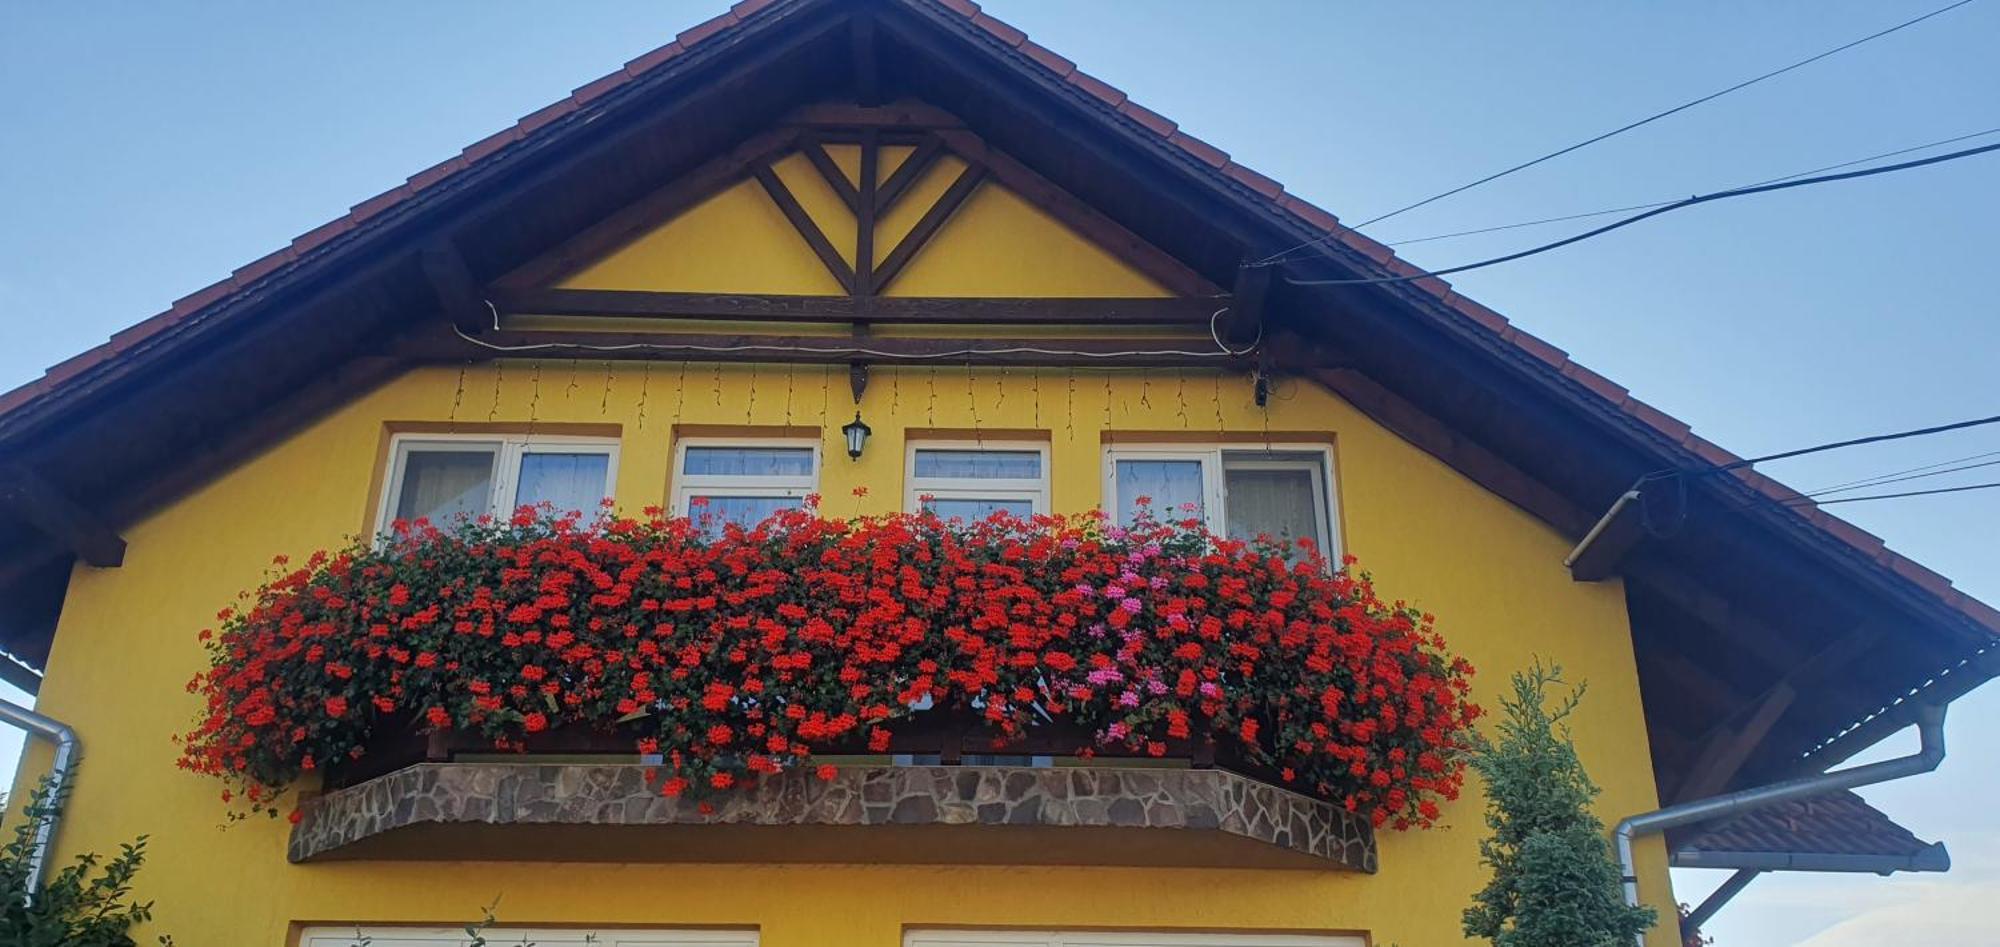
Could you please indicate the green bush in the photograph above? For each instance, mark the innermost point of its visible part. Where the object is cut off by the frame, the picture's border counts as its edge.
(87, 904)
(1554, 881)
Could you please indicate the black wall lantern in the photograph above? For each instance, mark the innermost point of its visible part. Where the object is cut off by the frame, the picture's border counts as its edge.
(857, 435)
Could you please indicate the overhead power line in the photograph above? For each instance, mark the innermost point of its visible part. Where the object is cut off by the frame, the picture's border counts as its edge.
(1655, 212)
(1656, 116)
(1858, 441)
(1897, 476)
(1894, 496)
(1651, 204)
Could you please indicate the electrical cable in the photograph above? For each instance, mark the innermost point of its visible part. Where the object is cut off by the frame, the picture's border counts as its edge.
(1894, 496)
(837, 350)
(1655, 212)
(1883, 478)
(1855, 442)
(1647, 206)
(1276, 257)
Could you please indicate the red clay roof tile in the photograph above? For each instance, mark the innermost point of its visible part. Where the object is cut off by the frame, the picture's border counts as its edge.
(379, 203)
(141, 331)
(1673, 427)
(654, 57)
(1048, 58)
(584, 94)
(964, 8)
(1916, 572)
(312, 239)
(1471, 309)
(1252, 180)
(1709, 451)
(744, 8)
(1001, 29)
(1980, 612)
(1209, 154)
(1309, 212)
(1366, 245)
(1108, 93)
(1869, 543)
(705, 29)
(492, 143)
(262, 266)
(1153, 121)
(202, 297)
(1606, 388)
(437, 172)
(545, 115)
(1533, 345)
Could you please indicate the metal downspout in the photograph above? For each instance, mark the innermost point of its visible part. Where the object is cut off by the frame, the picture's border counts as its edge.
(59, 733)
(1930, 729)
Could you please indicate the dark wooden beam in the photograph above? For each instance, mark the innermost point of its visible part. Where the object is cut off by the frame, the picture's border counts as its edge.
(888, 310)
(803, 223)
(458, 292)
(46, 507)
(1601, 554)
(443, 346)
(908, 173)
(640, 217)
(1244, 323)
(1724, 750)
(835, 178)
(1730, 744)
(1477, 463)
(1760, 640)
(928, 225)
(864, 215)
(1080, 216)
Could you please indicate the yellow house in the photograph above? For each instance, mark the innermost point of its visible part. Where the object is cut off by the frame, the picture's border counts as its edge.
(690, 285)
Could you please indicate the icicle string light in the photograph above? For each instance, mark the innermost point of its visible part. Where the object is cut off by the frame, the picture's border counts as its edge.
(604, 404)
(788, 395)
(825, 394)
(750, 402)
(930, 409)
(1035, 394)
(680, 393)
(717, 387)
(569, 393)
(534, 395)
(1069, 407)
(458, 396)
(493, 411)
(1218, 401)
(1180, 396)
(972, 399)
(645, 391)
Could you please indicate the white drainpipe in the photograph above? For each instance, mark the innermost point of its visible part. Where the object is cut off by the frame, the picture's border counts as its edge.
(59, 733)
(1930, 728)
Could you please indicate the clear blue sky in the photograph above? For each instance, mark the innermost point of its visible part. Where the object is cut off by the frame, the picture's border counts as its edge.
(151, 148)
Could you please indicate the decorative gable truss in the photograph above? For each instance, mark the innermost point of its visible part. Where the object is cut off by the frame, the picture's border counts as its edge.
(852, 216)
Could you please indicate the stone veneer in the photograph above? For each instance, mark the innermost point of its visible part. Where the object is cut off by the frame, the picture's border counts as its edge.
(1209, 800)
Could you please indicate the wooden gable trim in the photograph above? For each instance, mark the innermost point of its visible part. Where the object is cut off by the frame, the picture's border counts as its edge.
(927, 226)
(885, 310)
(803, 223)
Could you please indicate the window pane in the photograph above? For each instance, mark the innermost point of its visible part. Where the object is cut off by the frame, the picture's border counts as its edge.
(748, 511)
(980, 464)
(1172, 486)
(749, 461)
(1278, 503)
(442, 484)
(567, 482)
(957, 508)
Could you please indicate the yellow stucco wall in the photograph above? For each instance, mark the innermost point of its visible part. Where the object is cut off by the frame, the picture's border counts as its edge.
(126, 644)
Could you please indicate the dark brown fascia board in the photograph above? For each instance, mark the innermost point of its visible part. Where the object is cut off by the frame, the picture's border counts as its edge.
(53, 512)
(884, 310)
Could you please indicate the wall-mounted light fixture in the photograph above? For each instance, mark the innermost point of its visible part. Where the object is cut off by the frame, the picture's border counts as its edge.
(857, 435)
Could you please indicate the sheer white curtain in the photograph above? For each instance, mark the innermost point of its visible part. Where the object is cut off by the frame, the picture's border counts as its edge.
(442, 484)
(748, 462)
(979, 464)
(1278, 503)
(1173, 488)
(566, 481)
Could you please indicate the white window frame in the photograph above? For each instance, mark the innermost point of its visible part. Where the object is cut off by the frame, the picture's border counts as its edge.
(390, 936)
(507, 450)
(688, 486)
(1216, 459)
(947, 937)
(1035, 491)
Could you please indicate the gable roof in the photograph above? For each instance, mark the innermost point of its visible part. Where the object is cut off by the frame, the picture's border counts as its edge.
(1412, 354)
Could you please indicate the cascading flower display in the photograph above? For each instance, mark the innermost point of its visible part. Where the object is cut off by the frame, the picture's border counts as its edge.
(737, 652)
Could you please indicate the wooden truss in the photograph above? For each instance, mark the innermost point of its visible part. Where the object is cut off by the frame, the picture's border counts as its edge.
(1199, 307)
